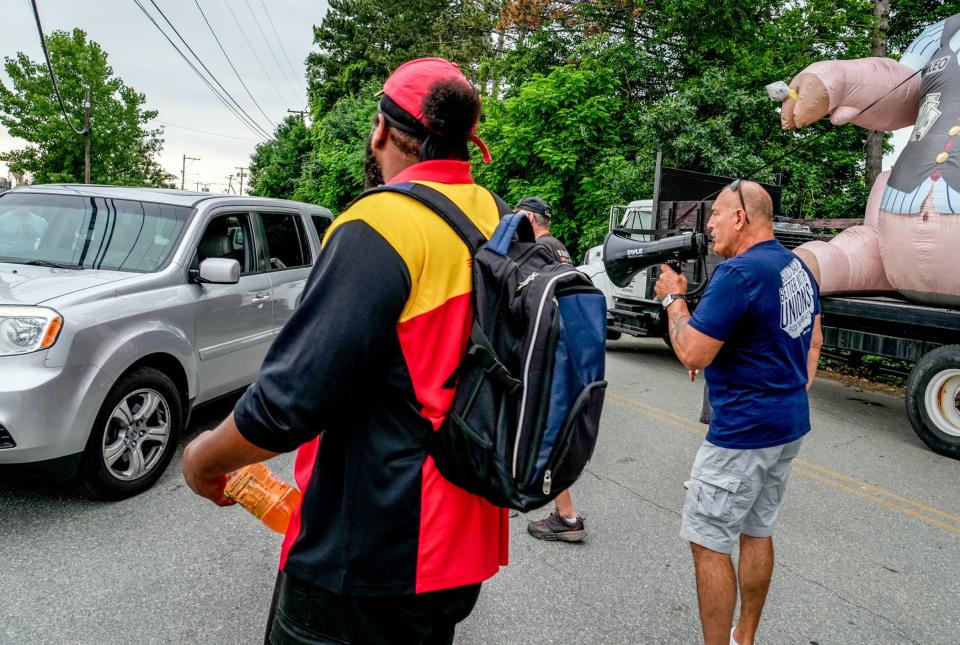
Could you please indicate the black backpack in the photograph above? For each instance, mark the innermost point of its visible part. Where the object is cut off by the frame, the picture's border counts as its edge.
(529, 389)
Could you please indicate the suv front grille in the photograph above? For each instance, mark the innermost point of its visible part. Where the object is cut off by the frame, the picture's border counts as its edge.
(6, 439)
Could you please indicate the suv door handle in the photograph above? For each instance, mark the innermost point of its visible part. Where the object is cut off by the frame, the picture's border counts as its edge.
(260, 298)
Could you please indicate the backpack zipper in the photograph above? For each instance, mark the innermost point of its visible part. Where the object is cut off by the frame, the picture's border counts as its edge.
(547, 292)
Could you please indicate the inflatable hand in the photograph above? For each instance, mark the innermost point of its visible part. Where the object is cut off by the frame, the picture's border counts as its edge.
(812, 102)
(873, 93)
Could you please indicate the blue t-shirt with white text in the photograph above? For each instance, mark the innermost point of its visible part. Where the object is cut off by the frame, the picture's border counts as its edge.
(762, 305)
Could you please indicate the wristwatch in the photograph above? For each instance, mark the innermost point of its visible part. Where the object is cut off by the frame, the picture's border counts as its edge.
(670, 299)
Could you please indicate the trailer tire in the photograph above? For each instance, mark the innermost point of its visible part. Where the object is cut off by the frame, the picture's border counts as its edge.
(933, 400)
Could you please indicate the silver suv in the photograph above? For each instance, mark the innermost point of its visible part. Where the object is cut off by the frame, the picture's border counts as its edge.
(123, 308)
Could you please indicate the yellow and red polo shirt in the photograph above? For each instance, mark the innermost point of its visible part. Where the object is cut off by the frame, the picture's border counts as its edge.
(368, 359)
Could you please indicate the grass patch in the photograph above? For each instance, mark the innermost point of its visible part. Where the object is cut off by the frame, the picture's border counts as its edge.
(878, 369)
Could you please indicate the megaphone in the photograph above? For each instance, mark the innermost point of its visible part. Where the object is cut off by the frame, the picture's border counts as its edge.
(624, 257)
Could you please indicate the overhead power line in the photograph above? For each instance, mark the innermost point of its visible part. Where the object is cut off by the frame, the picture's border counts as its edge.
(207, 69)
(232, 66)
(254, 51)
(231, 104)
(270, 49)
(283, 50)
(212, 134)
(53, 77)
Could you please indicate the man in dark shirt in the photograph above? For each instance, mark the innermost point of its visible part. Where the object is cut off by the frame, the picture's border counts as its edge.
(539, 213)
(757, 333)
(564, 524)
(382, 548)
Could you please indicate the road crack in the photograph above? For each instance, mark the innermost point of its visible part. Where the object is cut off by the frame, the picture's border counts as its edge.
(892, 626)
(850, 441)
(645, 499)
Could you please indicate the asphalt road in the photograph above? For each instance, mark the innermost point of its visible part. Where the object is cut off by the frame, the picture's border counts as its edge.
(868, 545)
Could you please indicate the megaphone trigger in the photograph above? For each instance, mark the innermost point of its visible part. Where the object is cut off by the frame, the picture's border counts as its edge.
(674, 264)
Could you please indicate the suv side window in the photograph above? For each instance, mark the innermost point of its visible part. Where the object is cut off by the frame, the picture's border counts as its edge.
(287, 245)
(320, 224)
(228, 236)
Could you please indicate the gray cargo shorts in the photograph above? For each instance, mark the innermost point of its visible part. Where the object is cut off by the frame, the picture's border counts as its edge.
(733, 492)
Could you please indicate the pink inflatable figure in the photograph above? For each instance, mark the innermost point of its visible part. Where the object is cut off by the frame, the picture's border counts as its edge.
(910, 238)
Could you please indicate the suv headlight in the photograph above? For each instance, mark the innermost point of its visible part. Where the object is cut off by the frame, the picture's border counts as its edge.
(28, 329)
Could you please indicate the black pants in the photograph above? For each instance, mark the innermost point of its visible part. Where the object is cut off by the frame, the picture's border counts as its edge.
(303, 613)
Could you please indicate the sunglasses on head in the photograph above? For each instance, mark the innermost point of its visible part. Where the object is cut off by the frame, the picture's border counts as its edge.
(735, 187)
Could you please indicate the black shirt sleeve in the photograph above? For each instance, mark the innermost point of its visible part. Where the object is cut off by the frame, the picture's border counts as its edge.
(349, 312)
(556, 247)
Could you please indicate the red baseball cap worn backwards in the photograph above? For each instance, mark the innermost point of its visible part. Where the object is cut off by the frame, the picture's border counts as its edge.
(410, 83)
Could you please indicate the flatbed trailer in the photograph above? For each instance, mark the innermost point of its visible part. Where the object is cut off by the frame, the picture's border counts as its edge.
(924, 336)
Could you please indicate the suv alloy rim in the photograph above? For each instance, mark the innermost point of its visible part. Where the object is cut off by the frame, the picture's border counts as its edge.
(136, 434)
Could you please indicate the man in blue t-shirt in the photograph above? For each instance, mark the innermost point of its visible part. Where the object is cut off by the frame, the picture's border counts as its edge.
(757, 333)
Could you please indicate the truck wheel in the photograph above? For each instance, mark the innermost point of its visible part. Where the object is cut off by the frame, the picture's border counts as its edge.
(613, 334)
(134, 436)
(933, 400)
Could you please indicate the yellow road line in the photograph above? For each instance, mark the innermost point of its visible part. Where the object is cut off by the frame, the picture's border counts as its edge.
(840, 481)
(876, 490)
(877, 500)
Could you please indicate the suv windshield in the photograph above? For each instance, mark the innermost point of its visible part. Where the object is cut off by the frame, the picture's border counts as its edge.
(77, 232)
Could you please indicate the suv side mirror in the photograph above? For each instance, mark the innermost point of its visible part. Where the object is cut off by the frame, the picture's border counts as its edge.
(217, 271)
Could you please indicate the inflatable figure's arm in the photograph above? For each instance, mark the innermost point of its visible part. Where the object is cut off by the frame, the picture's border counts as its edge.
(844, 89)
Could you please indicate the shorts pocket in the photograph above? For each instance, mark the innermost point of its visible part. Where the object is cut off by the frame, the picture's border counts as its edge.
(717, 494)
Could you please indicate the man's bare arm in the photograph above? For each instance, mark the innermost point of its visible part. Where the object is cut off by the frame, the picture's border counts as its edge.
(209, 458)
(813, 356)
(695, 349)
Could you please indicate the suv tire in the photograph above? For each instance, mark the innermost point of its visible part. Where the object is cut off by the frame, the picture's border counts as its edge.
(134, 436)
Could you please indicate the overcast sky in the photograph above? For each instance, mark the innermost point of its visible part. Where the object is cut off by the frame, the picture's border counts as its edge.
(141, 56)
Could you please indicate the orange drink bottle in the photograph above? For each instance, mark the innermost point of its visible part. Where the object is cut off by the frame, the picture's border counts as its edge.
(267, 497)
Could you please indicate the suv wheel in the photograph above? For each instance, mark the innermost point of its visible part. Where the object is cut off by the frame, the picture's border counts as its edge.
(134, 436)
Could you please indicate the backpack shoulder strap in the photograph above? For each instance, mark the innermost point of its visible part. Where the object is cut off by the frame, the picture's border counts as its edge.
(442, 206)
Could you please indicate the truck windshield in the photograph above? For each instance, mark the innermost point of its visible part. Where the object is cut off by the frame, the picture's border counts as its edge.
(638, 219)
(77, 232)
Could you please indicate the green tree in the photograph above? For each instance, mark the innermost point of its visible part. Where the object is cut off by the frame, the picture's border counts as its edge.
(909, 17)
(123, 148)
(333, 174)
(364, 40)
(276, 165)
(559, 138)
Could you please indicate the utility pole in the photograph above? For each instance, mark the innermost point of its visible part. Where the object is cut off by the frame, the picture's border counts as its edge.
(302, 113)
(242, 170)
(881, 27)
(230, 184)
(86, 137)
(183, 170)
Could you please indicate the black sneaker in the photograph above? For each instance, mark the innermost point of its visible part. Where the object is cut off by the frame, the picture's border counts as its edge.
(555, 528)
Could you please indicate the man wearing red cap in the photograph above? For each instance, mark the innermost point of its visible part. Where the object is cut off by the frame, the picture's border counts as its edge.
(382, 549)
